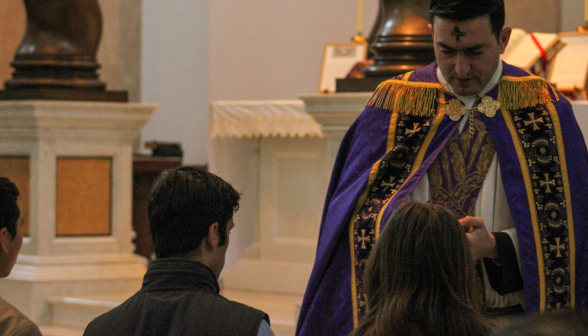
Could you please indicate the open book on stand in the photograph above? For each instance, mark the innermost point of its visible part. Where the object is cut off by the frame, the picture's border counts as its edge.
(532, 51)
(569, 71)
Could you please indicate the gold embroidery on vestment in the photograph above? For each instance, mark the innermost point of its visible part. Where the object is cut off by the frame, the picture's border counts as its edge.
(468, 174)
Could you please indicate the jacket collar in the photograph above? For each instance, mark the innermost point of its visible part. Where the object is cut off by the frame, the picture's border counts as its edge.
(172, 273)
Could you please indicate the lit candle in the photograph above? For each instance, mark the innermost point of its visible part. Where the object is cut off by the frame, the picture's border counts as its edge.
(360, 17)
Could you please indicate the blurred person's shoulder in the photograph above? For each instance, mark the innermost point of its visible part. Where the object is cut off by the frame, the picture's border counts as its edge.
(15, 323)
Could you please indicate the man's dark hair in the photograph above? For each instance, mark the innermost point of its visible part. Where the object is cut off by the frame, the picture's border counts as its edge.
(183, 204)
(9, 211)
(462, 10)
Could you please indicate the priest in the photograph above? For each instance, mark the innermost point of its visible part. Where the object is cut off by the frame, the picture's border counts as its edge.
(496, 145)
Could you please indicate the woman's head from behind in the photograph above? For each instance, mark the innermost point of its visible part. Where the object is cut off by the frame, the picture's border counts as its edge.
(420, 273)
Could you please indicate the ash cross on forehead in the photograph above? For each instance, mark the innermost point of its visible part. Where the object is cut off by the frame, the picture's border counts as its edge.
(457, 33)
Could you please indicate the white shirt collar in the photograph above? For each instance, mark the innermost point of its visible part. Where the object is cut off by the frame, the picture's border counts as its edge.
(470, 100)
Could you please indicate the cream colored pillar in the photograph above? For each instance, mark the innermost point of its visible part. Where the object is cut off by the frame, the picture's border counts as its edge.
(274, 153)
(79, 161)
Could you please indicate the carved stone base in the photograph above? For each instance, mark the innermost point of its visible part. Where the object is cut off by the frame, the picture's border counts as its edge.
(64, 94)
(35, 279)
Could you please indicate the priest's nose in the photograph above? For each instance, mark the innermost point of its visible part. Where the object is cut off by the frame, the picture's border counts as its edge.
(462, 66)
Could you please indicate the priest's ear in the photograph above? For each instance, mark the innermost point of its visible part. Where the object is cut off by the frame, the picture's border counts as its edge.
(503, 38)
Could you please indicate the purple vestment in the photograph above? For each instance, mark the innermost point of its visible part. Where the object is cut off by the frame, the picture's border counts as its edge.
(544, 166)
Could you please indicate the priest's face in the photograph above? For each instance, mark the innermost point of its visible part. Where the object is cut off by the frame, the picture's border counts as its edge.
(467, 52)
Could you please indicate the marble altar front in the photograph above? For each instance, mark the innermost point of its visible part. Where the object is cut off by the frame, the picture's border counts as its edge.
(75, 166)
(279, 154)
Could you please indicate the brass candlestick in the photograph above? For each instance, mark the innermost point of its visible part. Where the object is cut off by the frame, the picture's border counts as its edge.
(56, 59)
(59, 47)
(404, 42)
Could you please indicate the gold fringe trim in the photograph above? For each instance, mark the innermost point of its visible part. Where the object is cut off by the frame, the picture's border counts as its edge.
(412, 98)
(419, 99)
(521, 92)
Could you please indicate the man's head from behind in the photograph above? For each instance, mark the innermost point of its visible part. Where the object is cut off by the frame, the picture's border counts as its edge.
(190, 214)
(11, 223)
(468, 37)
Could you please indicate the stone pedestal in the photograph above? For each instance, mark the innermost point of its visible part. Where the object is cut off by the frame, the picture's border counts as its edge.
(271, 151)
(336, 112)
(78, 164)
(581, 113)
(283, 167)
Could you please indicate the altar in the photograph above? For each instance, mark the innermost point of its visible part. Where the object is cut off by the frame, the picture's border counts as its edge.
(279, 155)
(73, 163)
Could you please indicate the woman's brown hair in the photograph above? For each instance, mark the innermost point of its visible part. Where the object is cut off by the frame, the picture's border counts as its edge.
(419, 278)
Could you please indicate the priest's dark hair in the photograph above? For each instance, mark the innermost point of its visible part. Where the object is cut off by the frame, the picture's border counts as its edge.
(419, 278)
(183, 204)
(9, 211)
(462, 10)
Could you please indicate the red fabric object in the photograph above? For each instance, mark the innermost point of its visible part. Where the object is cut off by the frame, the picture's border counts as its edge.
(543, 53)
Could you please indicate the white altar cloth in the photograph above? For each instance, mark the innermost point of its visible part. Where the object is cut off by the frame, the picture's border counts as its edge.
(267, 118)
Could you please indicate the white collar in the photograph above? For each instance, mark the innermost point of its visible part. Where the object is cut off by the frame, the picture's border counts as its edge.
(470, 100)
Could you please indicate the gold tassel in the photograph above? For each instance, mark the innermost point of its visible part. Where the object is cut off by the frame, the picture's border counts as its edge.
(521, 92)
(419, 99)
(412, 98)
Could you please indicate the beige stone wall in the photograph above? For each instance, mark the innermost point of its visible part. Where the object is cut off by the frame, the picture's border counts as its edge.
(534, 15)
(130, 48)
(572, 14)
(119, 51)
(109, 50)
